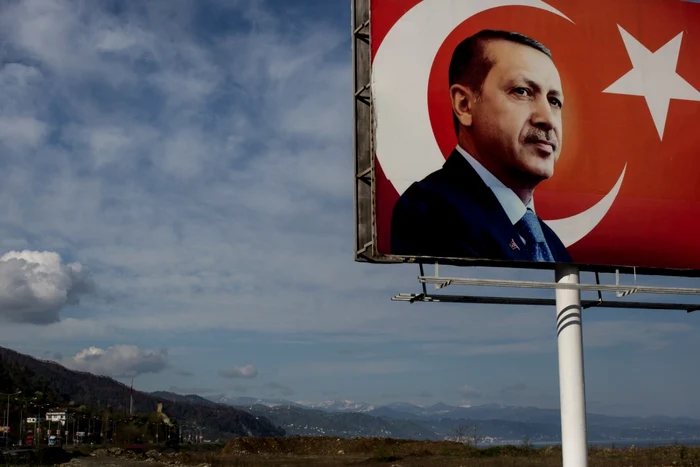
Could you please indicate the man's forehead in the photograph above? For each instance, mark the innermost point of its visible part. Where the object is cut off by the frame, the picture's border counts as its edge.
(512, 60)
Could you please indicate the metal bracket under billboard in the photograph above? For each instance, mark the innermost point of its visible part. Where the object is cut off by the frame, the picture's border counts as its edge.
(620, 291)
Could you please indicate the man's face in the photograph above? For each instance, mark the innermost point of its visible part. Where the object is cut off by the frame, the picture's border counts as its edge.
(516, 120)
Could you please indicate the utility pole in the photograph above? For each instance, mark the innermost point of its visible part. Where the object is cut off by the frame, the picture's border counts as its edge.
(7, 419)
(131, 398)
(21, 424)
(37, 428)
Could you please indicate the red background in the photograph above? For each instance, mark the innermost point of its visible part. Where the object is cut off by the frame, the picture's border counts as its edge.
(654, 220)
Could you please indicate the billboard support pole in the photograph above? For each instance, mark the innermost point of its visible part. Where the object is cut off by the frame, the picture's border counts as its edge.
(572, 392)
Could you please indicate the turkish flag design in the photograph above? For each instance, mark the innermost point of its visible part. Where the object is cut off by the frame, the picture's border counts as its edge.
(630, 71)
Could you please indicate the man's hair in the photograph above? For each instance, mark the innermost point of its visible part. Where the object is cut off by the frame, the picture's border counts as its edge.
(470, 64)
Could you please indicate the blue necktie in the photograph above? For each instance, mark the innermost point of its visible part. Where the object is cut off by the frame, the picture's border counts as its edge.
(530, 229)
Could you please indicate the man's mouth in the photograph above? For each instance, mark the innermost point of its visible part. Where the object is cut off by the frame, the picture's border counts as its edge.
(543, 145)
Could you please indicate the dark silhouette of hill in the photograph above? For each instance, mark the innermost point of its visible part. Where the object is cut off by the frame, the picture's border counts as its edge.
(189, 398)
(62, 386)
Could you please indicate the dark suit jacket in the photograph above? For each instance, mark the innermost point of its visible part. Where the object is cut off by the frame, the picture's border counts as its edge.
(453, 213)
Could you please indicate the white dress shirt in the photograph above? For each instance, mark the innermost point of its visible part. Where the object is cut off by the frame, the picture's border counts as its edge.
(511, 203)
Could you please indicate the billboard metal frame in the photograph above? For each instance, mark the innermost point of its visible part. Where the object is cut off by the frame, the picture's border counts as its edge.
(363, 140)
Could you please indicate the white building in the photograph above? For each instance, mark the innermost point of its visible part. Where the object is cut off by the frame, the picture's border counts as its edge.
(56, 416)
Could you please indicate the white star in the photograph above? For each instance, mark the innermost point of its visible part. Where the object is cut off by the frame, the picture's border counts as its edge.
(653, 75)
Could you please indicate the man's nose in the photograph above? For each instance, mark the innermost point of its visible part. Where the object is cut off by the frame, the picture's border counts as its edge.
(542, 114)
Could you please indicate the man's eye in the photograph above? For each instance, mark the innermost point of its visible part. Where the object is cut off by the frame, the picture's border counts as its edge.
(555, 102)
(521, 91)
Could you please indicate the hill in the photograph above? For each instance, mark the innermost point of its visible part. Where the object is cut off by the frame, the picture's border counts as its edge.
(62, 386)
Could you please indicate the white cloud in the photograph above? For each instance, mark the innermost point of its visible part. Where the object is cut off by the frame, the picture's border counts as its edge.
(116, 145)
(119, 361)
(184, 154)
(118, 40)
(19, 75)
(20, 132)
(247, 371)
(36, 285)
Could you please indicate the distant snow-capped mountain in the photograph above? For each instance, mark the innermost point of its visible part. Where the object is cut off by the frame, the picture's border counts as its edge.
(327, 406)
(339, 406)
(249, 401)
(401, 410)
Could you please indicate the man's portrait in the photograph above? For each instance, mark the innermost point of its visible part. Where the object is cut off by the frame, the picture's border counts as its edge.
(507, 101)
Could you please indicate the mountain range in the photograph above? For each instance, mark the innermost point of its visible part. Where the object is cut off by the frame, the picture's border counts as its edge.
(441, 421)
(225, 417)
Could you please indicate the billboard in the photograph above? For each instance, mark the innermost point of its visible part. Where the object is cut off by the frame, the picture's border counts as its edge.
(527, 132)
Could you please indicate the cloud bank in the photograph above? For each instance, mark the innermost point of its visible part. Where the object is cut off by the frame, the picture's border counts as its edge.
(119, 361)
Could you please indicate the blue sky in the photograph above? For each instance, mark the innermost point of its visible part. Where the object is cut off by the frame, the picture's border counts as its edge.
(177, 205)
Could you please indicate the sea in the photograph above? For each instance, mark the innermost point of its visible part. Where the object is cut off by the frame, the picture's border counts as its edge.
(622, 443)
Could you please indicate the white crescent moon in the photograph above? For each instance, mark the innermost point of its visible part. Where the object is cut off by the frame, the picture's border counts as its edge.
(404, 141)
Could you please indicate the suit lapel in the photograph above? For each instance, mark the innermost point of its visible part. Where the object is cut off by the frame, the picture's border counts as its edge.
(502, 232)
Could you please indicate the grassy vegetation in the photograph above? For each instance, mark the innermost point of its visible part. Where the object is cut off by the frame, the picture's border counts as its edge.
(382, 452)
(292, 452)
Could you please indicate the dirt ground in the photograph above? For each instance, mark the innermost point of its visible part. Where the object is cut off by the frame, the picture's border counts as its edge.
(106, 462)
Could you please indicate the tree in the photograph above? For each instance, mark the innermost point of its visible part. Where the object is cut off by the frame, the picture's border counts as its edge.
(459, 432)
(474, 435)
(468, 434)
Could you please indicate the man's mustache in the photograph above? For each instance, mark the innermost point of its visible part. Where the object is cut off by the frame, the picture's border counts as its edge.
(537, 135)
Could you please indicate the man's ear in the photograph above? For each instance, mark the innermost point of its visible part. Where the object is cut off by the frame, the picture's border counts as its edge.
(462, 98)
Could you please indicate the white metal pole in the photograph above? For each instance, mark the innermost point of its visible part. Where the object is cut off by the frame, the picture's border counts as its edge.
(572, 393)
